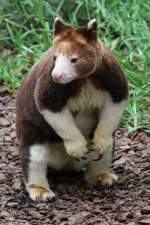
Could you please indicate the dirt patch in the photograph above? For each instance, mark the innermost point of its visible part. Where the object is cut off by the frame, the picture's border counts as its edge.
(127, 202)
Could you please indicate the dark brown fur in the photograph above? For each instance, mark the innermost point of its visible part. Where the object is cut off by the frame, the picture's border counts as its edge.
(109, 77)
(38, 91)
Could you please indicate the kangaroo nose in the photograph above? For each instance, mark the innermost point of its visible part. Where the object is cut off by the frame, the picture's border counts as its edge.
(57, 76)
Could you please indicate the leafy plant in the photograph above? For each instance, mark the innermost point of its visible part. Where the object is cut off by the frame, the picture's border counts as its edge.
(26, 32)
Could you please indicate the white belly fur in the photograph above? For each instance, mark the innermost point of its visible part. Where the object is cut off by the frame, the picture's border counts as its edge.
(89, 98)
(85, 104)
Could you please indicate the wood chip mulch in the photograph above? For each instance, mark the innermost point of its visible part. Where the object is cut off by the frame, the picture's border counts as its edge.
(126, 202)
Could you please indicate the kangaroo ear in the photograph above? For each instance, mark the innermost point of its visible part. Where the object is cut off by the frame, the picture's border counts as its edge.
(92, 29)
(89, 31)
(59, 26)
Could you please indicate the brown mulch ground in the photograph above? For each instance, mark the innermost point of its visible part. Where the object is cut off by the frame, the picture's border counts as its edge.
(127, 202)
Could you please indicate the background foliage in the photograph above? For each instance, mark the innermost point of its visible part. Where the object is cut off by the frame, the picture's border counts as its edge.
(26, 32)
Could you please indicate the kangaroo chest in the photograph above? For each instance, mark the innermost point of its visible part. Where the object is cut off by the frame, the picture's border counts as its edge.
(88, 98)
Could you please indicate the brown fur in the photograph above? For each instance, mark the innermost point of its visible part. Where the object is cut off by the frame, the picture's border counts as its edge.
(38, 91)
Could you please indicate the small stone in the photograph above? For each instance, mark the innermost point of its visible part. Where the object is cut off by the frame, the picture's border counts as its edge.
(12, 204)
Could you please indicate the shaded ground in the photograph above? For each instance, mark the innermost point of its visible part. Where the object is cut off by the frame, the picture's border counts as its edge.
(127, 202)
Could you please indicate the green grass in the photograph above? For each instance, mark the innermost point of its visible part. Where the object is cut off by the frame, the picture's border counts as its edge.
(26, 29)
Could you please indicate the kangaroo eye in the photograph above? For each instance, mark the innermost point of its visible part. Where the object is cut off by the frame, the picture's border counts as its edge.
(55, 58)
(74, 60)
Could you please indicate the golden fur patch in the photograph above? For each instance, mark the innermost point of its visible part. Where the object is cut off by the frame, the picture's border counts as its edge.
(69, 40)
(39, 189)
